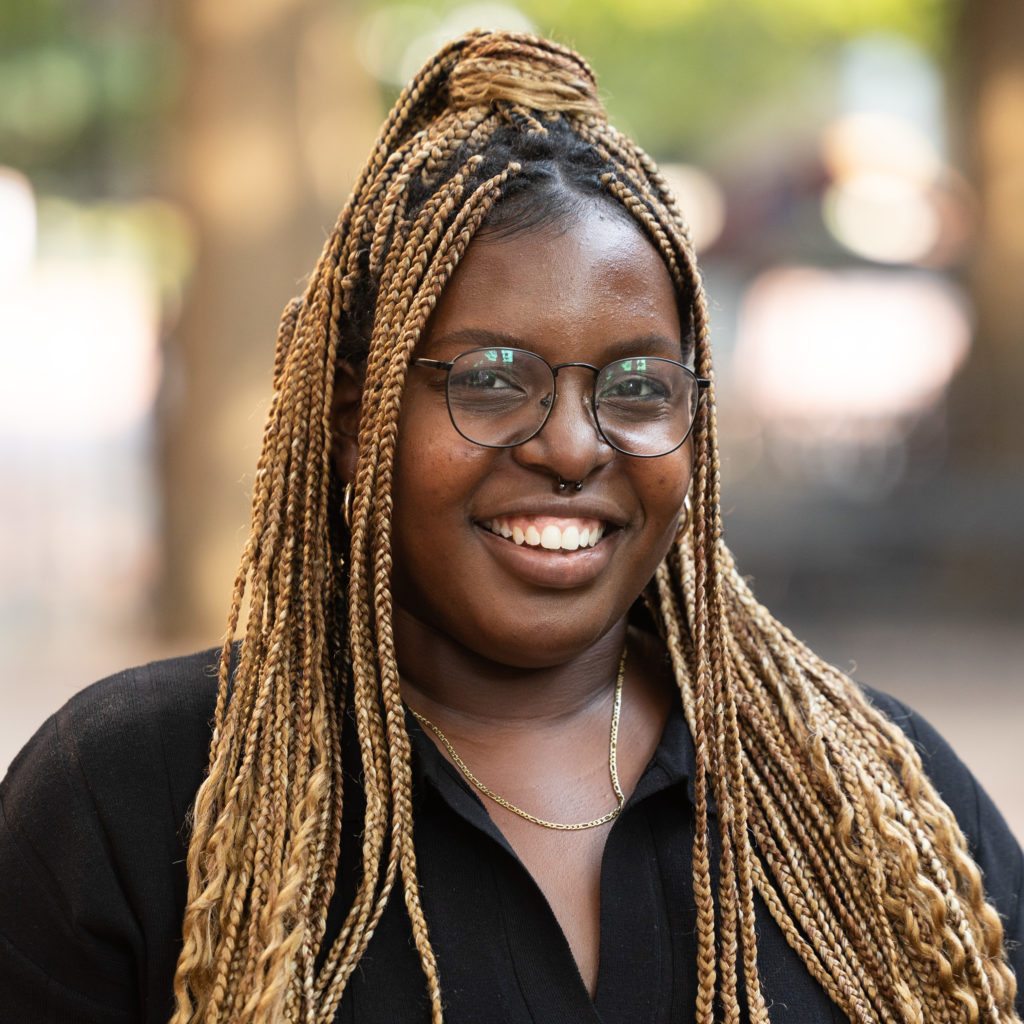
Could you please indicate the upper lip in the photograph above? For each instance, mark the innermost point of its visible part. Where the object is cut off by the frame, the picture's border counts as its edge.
(577, 507)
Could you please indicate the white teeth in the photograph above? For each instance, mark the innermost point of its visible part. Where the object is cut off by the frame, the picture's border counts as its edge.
(551, 538)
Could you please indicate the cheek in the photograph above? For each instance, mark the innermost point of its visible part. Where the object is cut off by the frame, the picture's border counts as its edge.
(671, 481)
(423, 443)
(665, 491)
(436, 470)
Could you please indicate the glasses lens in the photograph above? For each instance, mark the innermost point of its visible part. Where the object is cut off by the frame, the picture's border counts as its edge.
(499, 397)
(645, 405)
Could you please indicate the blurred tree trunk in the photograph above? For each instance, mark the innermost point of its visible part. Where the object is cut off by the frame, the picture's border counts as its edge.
(276, 119)
(988, 424)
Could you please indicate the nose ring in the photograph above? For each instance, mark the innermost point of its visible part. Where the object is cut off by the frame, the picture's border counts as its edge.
(577, 485)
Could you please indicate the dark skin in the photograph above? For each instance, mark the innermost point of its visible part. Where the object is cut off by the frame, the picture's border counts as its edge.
(513, 650)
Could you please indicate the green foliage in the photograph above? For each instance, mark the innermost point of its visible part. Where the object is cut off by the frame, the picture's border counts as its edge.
(82, 88)
(27, 23)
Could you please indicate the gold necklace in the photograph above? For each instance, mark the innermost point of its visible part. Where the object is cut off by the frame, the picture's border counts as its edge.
(613, 768)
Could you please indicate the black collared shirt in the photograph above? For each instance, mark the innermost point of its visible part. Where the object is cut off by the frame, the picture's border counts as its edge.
(92, 879)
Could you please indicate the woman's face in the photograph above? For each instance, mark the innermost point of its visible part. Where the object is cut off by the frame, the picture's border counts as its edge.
(589, 290)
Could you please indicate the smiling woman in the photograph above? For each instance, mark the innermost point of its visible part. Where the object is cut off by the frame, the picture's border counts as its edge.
(494, 661)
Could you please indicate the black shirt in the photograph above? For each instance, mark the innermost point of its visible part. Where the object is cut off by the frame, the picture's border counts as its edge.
(93, 880)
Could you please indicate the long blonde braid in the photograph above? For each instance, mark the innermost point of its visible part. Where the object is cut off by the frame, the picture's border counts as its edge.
(820, 803)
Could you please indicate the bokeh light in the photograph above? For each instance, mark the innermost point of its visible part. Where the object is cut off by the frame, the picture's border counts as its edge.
(890, 200)
(701, 201)
(18, 217)
(823, 353)
(883, 218)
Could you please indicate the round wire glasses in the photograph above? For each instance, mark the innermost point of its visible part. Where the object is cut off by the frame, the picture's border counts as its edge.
(501, 397)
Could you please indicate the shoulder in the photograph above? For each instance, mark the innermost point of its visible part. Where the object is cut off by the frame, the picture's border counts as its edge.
(93, 837)
(992, 844)
(171, 692)
(975, 812)
(122, 731)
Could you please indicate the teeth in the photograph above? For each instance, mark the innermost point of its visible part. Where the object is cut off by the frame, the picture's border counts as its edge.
(550, 537)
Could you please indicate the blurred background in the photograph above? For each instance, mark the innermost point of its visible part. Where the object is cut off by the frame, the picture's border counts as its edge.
(854, 175)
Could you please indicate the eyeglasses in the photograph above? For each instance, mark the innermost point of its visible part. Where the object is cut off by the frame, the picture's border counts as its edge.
(501, 397)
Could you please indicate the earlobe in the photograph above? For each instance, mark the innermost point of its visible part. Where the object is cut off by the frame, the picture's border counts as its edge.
(345, 411)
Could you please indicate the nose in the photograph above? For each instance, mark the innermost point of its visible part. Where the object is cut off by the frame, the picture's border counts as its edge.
(569, 445)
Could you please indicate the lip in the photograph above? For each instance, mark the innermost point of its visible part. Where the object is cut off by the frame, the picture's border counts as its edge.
(552, 570)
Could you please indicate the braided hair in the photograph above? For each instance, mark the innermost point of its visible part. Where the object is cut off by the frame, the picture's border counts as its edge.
(820, 803)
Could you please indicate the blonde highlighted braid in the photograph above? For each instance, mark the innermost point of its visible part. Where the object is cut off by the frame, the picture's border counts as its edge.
(820, 804)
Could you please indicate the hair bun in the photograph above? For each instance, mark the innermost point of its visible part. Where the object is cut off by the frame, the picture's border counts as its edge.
(526, 71)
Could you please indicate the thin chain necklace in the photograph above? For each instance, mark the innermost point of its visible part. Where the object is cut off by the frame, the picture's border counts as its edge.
(613, 769)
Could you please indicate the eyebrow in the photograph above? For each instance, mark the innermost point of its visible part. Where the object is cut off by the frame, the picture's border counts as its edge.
(480, 337)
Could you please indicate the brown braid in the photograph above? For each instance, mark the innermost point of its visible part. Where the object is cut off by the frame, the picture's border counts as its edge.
(805, 794)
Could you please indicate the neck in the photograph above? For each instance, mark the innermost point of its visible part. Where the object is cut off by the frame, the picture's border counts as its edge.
(440, 675)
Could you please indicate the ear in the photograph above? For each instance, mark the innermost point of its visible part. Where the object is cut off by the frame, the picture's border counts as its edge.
(345, 411)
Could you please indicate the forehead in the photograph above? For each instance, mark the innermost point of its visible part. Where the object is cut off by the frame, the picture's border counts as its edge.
(593, 281)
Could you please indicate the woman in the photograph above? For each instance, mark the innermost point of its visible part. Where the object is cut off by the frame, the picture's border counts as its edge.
(506, 736)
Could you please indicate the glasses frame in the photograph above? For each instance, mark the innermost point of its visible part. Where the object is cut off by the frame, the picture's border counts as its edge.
(703, 383)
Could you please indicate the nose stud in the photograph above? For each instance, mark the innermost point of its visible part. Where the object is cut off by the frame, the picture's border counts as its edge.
(576, 485)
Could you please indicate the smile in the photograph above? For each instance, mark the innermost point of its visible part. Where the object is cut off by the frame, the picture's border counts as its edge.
(552, 534)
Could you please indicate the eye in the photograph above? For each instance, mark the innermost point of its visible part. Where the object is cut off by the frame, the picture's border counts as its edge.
(634, 379)
(487, 390)
(496, 376)
(633, 387)
(480, 378)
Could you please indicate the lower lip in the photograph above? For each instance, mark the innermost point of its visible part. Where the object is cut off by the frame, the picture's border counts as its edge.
(556, 570)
